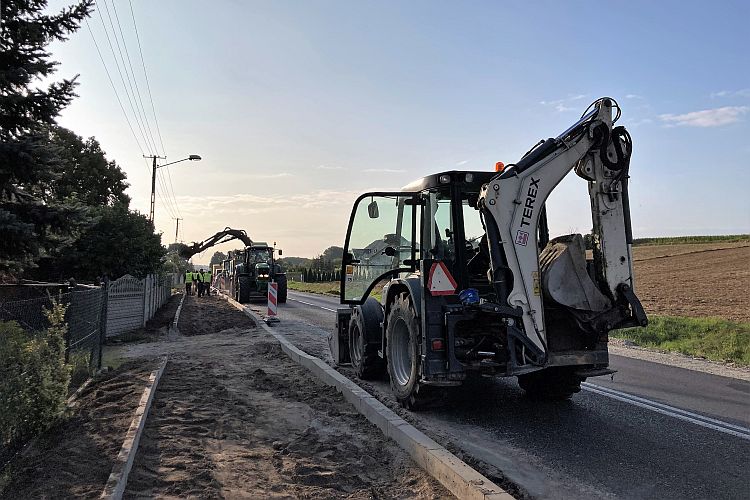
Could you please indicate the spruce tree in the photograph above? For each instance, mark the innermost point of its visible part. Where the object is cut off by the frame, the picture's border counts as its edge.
(32, 220)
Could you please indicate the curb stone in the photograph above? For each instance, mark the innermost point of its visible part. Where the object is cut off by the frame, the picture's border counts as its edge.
(455, 475)
(118, 478)
(174, 330)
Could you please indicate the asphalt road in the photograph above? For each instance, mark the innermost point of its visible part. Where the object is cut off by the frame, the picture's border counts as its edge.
(653, 431)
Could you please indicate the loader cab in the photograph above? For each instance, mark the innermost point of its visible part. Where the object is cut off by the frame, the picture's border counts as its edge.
(434, 219)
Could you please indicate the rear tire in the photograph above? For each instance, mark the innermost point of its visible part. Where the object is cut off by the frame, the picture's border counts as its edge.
(243, 289)
(282, 290)
(552, 384)
(365, 340)
(403, 345)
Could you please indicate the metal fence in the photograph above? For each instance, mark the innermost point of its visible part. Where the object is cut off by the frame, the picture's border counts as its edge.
(93, 313)
(84, 310)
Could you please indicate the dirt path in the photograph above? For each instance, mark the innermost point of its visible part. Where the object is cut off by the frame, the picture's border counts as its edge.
(74, 458)
(235, 418)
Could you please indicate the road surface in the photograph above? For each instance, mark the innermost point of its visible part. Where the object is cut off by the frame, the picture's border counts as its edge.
(652, 431)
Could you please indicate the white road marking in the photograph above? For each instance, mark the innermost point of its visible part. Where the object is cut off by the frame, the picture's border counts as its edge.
(703, 421)
(311, 304)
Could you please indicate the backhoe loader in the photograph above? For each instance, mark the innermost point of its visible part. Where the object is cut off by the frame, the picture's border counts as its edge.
(475, 285)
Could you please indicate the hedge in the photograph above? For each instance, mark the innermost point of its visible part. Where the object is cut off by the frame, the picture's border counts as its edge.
(33, 378)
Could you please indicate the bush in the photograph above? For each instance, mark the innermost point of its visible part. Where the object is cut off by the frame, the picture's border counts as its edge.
(33, 378)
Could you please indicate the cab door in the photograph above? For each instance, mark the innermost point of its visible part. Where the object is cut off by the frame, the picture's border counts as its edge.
(380, 242)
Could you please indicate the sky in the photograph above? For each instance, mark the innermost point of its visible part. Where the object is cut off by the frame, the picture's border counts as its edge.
(298, 107)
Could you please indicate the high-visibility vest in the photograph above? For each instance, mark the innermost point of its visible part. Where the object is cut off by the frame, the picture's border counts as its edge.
(207, 278)
(188, 277)
(197, 276)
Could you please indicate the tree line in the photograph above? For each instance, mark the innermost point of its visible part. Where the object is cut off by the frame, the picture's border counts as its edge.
(63, 207)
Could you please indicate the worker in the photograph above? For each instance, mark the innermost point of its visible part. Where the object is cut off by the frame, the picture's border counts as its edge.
(207, 278)
(188, 283)
(201, 285)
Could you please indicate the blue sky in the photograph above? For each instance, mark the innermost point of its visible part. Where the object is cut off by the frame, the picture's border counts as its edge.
(296, 107)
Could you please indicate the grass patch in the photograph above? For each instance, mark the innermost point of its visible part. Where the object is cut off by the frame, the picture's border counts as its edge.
(712, 338)
(326, 288)
(329, 288)
(676, 240)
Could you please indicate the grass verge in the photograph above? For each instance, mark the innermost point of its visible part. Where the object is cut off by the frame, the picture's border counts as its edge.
(329, 288)
(712, 338)
(326, 288)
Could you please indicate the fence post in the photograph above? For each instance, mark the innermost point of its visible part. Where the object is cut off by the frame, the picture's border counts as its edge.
(144, 281)
(103, 321)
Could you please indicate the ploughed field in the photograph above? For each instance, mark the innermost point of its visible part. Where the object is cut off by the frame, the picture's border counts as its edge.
(694, 280)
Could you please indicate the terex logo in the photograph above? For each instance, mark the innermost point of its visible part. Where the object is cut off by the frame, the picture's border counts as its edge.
(528, 209)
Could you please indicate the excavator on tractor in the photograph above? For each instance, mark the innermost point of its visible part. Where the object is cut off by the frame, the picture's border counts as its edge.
(247, 272)
(473, 282)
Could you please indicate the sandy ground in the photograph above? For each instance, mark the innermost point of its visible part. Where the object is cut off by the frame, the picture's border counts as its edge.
(233, 417)
(74, 458)
(695, 282)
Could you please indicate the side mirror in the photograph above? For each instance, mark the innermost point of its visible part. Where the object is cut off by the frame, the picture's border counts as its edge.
(281, 252)
(389, 251)
(372, 210)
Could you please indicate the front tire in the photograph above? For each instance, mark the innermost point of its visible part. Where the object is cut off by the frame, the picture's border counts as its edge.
(243, 289)
(403, 345)
(365, 340)
(551, 384)
(282, 290)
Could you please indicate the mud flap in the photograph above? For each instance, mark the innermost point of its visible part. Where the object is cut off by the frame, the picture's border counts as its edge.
(338, 340)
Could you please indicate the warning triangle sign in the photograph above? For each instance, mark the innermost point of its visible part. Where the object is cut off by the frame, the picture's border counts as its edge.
(440, 281)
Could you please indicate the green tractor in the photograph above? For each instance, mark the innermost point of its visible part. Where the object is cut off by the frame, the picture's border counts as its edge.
(252, 270)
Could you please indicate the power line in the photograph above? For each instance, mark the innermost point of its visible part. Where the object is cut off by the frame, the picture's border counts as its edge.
(114, 88)
(135, 79)
(145, 74)
(133, 107)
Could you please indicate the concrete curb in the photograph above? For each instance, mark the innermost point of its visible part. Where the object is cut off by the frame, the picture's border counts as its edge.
(118, 478)
(74, 397)
(173, 328)
(455, 475)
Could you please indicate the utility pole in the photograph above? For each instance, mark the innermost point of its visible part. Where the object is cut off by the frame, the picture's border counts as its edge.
(153, 183)
(177, 229)
(153, 176)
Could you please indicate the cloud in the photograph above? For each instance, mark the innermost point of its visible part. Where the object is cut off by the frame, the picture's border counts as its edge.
(560, 104)
(633, 96)
(731, 93)
(706, 118)
(279, 175)
(384, 170)
(329, 167)
(256, 204)
(462, 162)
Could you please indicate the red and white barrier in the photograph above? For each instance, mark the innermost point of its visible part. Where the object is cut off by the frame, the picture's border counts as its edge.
(273, 293)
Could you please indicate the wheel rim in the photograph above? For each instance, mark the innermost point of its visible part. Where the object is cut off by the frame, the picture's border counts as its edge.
(400, 358)
(356, 345)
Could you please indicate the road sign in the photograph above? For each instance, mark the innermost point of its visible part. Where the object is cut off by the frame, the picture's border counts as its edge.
(440, 280)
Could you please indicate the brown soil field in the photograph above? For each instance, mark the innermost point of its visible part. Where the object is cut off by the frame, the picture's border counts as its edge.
(646, 252)
(234, 417)
(74, 458)
(694, 280)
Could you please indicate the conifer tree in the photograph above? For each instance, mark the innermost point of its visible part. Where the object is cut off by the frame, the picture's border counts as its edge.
(32, 220)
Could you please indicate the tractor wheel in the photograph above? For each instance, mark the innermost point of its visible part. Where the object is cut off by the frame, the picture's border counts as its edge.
(403, 345)
(365, 340)
(243, 289)
(552, 384)
(282, 290)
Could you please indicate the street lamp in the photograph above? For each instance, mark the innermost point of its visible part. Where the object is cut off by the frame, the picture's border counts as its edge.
(153, 176)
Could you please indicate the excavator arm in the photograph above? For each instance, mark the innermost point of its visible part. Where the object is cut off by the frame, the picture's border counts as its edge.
(228, 234)
(600, 295)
